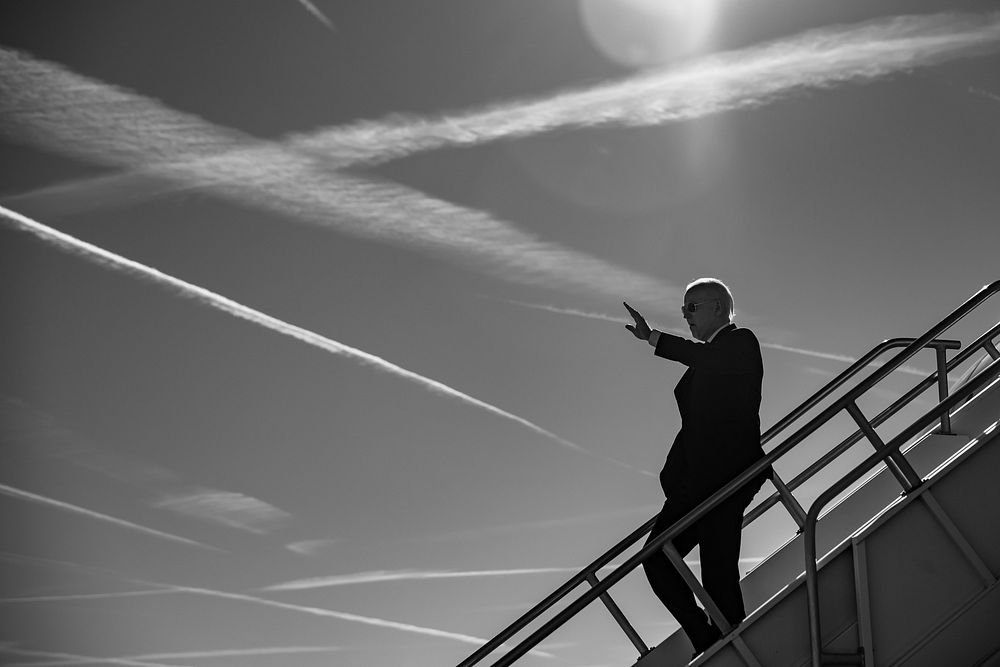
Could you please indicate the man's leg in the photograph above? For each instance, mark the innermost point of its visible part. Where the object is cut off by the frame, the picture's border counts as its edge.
(668, 585)
(719, 536)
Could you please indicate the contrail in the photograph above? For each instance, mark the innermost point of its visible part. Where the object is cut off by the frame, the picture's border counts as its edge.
(728, 81)
(86, 596)
(750, 77)
(52, 502)
(520, 527)
(144, 658)
(45, 105)
(217, 301)
(320, 16)
(43, 435)
(910, 370)
(328, 613)
(73, 658)
(382, 576)
(314, 611)
(65, 112)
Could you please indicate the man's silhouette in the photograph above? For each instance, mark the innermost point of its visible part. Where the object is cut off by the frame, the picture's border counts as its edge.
(719, 402)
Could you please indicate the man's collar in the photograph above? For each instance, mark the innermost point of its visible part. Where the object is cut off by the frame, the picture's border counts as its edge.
(716, 332)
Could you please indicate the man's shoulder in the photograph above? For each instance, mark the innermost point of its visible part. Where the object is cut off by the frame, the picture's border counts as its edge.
(733, 333)
(736, 337)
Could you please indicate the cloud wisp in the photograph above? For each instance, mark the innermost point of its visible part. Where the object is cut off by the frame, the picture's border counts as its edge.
(728, 81)
(41, 434)
(45, 105)
(984, 94)
(208, 298)
(27, 496)
(52, 107)
(232, 509)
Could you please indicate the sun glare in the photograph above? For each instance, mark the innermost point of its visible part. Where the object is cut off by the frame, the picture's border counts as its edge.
(647, 33)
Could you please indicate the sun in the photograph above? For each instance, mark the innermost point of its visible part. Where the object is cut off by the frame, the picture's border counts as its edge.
(647, 33)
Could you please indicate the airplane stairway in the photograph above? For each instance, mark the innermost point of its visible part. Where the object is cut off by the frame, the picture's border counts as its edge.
(909, 538)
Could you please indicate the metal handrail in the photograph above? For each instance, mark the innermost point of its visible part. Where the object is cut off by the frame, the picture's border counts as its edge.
(900, 467)
(640, 532)
(988, 374)
(557, 594)
(938, 344)
(979, 344)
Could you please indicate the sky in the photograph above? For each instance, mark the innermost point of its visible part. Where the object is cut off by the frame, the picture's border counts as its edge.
(313, 338)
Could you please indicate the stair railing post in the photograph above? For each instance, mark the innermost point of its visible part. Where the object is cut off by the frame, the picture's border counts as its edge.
(942, 378)
(617, 614)
(896, 462)
(796, 510)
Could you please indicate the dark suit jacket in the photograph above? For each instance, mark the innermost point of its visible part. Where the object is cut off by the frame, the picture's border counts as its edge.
(719, 402)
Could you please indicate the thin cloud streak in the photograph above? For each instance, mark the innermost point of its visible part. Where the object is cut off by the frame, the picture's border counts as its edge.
(201, 295)
(747, 78)
(52, 502)
(344, 616)
(74, 659)
(224, 653)
(71, 114)
(910, 370)
(313, 611)
(546, 524)
(86, 596)
(383, 576)
(318, 15)
(45, 105)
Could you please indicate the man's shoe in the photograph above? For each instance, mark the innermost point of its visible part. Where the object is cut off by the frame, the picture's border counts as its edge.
(706, 642)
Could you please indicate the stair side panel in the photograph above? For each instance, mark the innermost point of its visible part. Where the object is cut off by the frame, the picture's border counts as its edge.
(917, 577)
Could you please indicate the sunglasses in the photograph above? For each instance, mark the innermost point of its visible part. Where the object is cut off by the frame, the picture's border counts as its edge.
(693, 306)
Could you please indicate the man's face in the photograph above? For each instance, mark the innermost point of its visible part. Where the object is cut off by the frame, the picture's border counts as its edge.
(705, 318)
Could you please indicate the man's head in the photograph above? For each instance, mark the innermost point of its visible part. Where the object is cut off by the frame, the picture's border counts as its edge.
(708, 305)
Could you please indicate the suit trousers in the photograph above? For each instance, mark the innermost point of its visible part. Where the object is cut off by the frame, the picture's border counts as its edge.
(718, 535)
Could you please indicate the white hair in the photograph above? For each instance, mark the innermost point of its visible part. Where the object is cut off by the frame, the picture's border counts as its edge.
(718, 290)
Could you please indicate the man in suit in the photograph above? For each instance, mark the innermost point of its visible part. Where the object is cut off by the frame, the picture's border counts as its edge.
(719, 402)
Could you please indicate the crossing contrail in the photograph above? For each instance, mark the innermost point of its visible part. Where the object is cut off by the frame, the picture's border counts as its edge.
(750, 77)
(206, 297)
(49, 106)
(76, 509)
(45, 105)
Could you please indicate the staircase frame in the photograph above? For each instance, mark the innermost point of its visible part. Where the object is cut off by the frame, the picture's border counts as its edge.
(890, 453)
